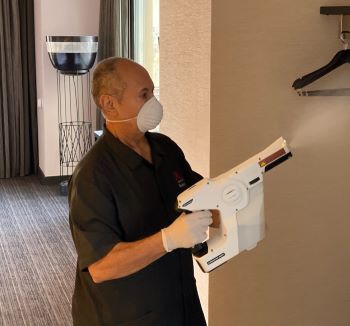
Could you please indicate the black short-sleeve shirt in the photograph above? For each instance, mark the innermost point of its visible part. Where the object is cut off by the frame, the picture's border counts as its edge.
(116, 195)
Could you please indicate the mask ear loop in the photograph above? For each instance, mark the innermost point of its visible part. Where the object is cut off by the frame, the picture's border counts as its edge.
(124, 120)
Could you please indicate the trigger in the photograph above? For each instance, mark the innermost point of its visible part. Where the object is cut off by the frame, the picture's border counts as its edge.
(200, 249)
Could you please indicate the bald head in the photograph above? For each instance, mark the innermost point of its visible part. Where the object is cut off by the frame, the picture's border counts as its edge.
(111, 77)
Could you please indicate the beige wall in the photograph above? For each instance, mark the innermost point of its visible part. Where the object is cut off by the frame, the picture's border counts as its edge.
(185, 76)
(299, 275)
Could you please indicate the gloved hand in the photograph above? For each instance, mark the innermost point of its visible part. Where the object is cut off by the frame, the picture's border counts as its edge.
(187, 230)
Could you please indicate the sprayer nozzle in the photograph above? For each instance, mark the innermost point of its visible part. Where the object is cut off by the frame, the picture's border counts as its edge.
(277, 153)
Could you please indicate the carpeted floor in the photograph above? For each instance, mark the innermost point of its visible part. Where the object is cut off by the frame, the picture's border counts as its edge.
(37, 267)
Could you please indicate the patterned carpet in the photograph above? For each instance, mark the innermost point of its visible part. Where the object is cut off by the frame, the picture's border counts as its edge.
(37, 266)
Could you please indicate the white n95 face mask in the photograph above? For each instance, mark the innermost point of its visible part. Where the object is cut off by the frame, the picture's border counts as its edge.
(149, 116)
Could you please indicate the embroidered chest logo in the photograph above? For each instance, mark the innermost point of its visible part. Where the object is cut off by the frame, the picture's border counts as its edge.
(179, 179)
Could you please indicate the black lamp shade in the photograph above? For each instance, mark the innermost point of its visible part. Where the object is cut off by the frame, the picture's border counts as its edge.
(72, 55)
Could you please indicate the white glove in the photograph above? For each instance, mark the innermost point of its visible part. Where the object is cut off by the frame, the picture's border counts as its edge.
(187, 230)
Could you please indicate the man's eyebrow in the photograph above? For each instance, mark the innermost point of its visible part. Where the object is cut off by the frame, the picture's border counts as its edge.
(145, 89)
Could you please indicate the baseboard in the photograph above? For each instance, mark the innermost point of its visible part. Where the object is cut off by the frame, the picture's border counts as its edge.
(52, 180)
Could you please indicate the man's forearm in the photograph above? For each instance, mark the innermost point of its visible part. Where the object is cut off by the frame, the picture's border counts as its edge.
(127, 258)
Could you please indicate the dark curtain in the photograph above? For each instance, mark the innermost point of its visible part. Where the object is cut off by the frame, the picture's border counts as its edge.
(18, 116)
(115, 36)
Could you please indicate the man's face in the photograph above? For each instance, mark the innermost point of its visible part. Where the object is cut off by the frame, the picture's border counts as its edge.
(139, 89)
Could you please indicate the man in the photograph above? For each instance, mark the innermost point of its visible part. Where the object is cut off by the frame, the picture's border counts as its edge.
(134, 258)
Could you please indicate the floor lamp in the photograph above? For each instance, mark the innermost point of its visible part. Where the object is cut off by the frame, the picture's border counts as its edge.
(72, 57)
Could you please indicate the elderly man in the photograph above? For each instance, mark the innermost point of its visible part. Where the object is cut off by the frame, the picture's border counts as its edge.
(134, 262)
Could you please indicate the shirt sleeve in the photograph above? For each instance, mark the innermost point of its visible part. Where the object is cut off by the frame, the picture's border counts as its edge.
(93, 220)
(190, 175)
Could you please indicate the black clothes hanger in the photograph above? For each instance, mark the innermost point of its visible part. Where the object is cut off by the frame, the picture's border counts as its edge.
(339, 59)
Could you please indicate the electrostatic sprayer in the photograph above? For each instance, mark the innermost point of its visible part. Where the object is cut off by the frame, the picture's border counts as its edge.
(238, 195)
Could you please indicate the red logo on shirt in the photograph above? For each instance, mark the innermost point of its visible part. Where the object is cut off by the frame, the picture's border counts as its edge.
(179, 179)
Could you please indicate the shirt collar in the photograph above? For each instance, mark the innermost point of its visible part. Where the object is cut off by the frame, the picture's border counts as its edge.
(129, 156)
(122, 151)
(157, 149)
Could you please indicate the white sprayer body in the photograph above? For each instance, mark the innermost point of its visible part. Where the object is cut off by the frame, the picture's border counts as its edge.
(238, 195)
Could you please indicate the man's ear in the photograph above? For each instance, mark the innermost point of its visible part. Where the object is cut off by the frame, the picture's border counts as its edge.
(107, 103)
